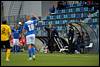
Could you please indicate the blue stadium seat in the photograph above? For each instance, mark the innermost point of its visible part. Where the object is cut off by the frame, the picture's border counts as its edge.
(66, 10)
(48, 17)
(85, 8)
(73, 9)
(77, 9)
(59, 11)
(69, 16)
(62, 16)
(82, 9)
(63, 11)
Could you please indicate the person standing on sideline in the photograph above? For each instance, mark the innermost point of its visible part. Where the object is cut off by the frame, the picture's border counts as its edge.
(5, 37)
(51, 33)
(70, 38)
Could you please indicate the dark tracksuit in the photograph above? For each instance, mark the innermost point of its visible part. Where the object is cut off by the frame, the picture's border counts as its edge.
(51, 32)
(70, 40)
(78, 43)
(82, 43)
(55, 35)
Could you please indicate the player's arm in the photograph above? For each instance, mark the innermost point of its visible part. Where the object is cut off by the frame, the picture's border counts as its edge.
(10, 34)
(35, 16)
(47, 29)
(56, 32)
(24, 29)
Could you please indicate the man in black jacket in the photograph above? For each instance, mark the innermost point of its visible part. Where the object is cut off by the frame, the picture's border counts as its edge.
(51, 32)
(70, 38)
(78, 43)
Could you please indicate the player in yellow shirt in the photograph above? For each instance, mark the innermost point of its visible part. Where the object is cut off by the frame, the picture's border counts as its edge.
(5, 36)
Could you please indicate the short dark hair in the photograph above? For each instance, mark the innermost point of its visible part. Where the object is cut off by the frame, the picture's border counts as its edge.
(4, 22)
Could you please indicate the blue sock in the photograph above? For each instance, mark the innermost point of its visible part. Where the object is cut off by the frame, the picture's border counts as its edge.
(33, 51)
(29, 52)
(15, 48)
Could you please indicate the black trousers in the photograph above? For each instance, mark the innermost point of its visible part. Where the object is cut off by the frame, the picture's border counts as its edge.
(71, 44)
(50, 45)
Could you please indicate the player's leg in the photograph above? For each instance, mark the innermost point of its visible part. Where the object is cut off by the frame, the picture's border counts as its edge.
(30, 51)
(14, 47)
(33, 51)
(33, 46)
(28, 40)
(8, 50)
(1, 46)
(17, 45)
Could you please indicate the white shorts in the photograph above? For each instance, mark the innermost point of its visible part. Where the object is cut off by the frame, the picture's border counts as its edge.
(30, 39)
(15, 41)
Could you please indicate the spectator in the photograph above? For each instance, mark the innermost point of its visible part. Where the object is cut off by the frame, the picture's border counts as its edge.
(52, 10)
(60, 5)
(84, 3)
(89, 2)
(96, 7)
(65, 4)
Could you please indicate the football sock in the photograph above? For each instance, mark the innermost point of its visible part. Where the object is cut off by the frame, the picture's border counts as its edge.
(29, 52)
(7, 54)
(33, 51)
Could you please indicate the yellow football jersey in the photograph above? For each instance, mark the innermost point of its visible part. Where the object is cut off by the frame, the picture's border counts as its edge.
(5, 32)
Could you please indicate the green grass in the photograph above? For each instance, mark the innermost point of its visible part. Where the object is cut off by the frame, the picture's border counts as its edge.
(55, 59)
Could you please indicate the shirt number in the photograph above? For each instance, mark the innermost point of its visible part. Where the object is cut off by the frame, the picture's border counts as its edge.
(31, 27)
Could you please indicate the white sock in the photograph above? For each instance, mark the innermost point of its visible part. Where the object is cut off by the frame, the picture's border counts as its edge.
(33, 56)
(30, 58)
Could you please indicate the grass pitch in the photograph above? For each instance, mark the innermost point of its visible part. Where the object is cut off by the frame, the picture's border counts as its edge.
(54, 59)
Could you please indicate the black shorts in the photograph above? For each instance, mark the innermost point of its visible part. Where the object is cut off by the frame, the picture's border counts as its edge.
(5, 44)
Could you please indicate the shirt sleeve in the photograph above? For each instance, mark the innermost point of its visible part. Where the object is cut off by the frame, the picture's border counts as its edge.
(24, 27)
(35, 22)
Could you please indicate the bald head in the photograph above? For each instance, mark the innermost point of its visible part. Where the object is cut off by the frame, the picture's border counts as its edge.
(27, 17)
